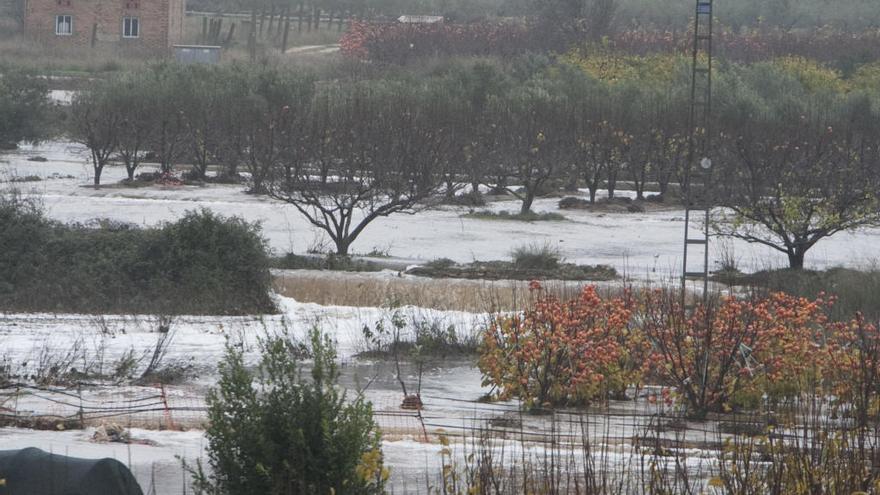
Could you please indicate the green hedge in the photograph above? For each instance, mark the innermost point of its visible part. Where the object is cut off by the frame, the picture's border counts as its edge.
(201, 264)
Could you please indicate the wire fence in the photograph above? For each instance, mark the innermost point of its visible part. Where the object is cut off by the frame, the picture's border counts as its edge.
(170, 407)
(152, 407)
(616, 435)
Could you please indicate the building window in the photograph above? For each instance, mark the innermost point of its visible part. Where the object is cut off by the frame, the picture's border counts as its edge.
(63, 25)
(131, 27)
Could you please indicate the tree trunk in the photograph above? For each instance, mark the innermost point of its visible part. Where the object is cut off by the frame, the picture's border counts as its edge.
(201, 171)
(796, 258)
(571, 186)
(640, 187)
(98, 170)
(612, 184)
(232, 168)
(449, 192)
(286, 33)
(342, 245)
(527, 201)
(500, 187)
(593, 191)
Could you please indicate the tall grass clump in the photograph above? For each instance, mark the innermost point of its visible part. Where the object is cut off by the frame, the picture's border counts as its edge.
(536, 257)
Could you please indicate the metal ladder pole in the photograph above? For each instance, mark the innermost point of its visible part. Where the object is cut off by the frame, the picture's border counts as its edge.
(699, 143)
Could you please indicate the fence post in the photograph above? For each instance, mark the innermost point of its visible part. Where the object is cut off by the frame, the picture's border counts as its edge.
(168, 419)
(286, 32)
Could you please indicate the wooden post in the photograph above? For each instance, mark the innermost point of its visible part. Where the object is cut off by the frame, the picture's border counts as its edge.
(229, 36)
(282, 14)
(219, 29)
(94, 34)
(252, 36)
(204, 37)
(271, 21)
(286, 32)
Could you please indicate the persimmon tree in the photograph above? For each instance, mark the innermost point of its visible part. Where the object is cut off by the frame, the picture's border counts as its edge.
(720, 354)
(853, 352)
(560, 352)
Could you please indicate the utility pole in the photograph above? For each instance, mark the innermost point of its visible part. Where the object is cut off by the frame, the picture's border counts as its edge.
(699, 161)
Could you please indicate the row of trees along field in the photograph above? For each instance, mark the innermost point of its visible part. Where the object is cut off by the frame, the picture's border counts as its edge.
(853, 14)
(797, 147)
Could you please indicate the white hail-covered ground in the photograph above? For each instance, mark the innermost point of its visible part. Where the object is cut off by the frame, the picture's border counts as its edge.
(199, 342)
(644, 245)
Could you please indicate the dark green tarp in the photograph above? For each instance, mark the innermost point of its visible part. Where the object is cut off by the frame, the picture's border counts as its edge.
(34, 472)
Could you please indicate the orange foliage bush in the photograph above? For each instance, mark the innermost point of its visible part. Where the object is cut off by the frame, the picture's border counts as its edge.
(560, 352)
(731, 353)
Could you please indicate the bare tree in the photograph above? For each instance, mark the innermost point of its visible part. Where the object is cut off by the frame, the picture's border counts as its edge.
(95, 123)
(533, 137)
(385, 150)
(136, 126)
(600, 17)
(166, 101)
(269, 131)
(796, 175)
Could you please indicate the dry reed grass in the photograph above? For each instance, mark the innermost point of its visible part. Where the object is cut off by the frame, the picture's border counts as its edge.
(382, 289)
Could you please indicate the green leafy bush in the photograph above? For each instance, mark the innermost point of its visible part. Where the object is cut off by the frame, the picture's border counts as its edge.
(24, 107)
(289, 434)
(522, 217)
(333, 262)
(202, 264)
(854, 290)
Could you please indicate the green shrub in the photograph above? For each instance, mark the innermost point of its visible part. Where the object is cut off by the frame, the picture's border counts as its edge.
(288, 434)
(202, 264)
(521, 217)
(855, 290)
(214, 262)
(334, 262)
(24, 107)
(440, 263)
(23, 228)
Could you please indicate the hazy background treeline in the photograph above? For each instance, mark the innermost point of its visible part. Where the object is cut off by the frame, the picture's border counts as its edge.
(667, 14)
(660, 14)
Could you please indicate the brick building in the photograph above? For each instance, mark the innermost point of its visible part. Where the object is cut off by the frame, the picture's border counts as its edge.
(135, 25)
